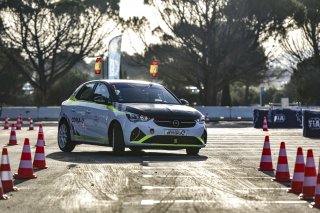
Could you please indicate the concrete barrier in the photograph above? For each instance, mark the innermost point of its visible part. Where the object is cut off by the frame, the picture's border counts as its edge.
(242, 113)
(36, 113)
(13, 112)
(49, 113)
(213, 112)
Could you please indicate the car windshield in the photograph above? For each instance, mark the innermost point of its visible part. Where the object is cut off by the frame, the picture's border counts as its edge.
(143, 93)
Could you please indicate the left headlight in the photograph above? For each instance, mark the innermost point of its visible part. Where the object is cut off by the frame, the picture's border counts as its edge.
(201, 120)
(136, 117)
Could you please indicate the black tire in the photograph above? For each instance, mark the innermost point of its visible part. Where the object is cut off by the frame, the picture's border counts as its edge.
(64, 139)
(193, 151)
(118, 146)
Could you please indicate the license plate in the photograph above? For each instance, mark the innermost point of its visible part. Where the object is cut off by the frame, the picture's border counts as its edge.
(179, 132)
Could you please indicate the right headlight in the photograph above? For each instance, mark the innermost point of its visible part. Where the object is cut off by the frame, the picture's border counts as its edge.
(136, 117)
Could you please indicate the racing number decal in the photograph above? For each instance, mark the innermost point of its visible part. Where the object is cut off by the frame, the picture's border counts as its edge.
(77, 120)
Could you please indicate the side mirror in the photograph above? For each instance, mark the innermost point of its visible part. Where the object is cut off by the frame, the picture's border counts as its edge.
(184, 102)
(102, 100)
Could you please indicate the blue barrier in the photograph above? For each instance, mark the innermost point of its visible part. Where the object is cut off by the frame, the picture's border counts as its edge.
(311, 123)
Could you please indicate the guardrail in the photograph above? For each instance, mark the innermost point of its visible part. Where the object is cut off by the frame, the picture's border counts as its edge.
(214, 113)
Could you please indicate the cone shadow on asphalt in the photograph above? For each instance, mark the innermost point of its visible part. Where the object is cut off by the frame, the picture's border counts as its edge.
(270, 173)
(127, 157)
(19, 181)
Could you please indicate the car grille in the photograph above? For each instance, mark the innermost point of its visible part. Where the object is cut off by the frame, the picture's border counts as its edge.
(175, 123)
(181, 140)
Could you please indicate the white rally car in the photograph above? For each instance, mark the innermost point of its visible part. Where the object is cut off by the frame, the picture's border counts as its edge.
(126, 113)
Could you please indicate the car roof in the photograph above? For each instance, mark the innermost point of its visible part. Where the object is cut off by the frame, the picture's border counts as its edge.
(128, 81)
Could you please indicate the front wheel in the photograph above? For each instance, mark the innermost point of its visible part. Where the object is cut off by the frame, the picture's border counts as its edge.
(64, 139)
(193, 151)
(117, 140)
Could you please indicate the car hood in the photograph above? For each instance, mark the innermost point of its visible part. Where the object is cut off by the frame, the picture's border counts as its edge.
(164, 111)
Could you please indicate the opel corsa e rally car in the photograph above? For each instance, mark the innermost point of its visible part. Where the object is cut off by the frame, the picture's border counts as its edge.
(126, 113)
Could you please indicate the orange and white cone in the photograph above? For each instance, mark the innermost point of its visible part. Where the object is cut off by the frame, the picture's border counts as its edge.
(5, 172)
(19, 124)
(266, 159)
(282, 172)
(298, 175)
(310, 178)
(21, 120)
(316, 202)
(39, 161)
(31, 124)
(265, 124)
(41, 131)
(13, 137)
(6, 123)
(2, 195)
(25, 170)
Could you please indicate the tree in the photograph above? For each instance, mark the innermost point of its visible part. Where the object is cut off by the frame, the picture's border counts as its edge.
(11, 82)
(218, 36)
(53, 36)
(303, 53)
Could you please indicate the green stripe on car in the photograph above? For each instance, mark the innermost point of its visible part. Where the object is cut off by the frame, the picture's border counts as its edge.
(89, 137)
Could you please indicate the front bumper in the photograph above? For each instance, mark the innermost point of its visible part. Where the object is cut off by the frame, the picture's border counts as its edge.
(150, 135)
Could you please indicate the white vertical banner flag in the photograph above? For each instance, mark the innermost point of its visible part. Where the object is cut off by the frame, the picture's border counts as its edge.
(114, 57)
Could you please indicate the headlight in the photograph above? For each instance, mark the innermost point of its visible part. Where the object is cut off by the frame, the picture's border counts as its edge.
(136, 117)
(201, 120)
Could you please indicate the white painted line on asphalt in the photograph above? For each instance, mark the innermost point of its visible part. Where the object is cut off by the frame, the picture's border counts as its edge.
(285, 201)
(177, 169)
(239, 190)
(154, 202)
(199, 176)
(173, 187)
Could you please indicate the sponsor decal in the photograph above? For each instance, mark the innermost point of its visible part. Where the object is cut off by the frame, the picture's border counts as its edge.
(279, 118)
(314, 123)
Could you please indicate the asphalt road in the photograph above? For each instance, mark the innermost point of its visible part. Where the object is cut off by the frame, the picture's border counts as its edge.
(223, 178)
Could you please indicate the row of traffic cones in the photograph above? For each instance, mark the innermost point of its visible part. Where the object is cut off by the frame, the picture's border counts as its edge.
(19, 123)
(13, 137)
(305, 181)
(25, 170)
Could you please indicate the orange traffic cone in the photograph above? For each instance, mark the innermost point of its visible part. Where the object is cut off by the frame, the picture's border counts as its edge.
(6, 123)
(19, 123)
(265, 124)
(21, 120)
(282, 172)
(40, 158)
(310, 178)
(298, 175)
(13, 137)
(316, 202)
(5, 172)
(41, 131)
(31, 124)
(2, 195)
(266, 159)
(25, 170)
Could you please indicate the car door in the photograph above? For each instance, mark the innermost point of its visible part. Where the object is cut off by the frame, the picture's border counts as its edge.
(101, 115)
(80, 111)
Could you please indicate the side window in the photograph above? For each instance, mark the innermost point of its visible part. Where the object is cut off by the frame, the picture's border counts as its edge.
(101, 90)
(86, 92)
